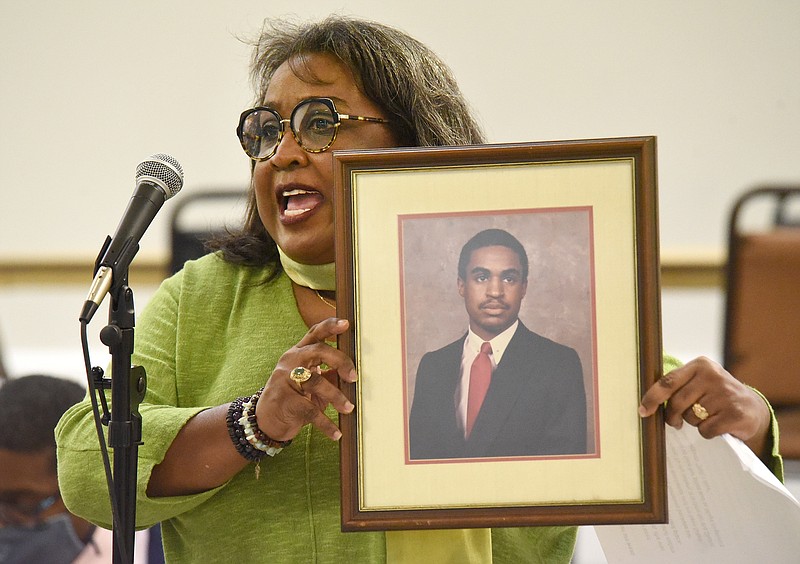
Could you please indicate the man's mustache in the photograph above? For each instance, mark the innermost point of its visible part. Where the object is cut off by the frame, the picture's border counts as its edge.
(493, 304)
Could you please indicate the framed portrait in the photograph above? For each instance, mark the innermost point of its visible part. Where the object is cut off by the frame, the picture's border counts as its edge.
(504, 322)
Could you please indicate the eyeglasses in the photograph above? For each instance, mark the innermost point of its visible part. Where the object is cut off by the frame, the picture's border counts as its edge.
(25, 513)
(314, 124)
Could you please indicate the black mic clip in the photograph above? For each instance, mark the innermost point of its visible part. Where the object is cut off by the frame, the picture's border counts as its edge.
(101, 284)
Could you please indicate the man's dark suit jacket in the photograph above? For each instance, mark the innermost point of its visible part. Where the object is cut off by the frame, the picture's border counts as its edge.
(536, 404)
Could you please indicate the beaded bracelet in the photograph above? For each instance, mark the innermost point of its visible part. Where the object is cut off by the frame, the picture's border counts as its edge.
(236, 432)
(255, 436)
(250, 441)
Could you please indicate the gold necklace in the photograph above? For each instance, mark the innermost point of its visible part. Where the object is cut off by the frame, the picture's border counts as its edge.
(326, 302)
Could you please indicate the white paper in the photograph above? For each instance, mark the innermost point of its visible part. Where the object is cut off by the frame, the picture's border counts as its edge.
(724, 506)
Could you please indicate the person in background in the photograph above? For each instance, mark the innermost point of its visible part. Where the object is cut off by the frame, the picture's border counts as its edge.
(35, 526)
(240, 460)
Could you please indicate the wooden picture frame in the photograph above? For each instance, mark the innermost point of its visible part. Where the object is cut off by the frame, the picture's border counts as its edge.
(586, 213)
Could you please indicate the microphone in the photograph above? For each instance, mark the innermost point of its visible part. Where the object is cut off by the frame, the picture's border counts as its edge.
(158, 178)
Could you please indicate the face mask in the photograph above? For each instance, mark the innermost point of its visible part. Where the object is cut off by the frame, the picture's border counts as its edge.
(52, 542)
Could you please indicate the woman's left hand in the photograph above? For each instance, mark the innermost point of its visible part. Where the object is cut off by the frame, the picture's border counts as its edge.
(726, 405)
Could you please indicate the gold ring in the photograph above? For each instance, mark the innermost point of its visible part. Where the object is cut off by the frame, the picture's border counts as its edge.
(700, 412)
(300, 374)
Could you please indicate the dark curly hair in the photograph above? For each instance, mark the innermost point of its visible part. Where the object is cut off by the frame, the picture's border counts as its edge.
(30, 407)
(491, 238)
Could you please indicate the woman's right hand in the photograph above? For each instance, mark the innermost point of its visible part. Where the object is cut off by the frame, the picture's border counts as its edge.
(202, 457)
(286, 406)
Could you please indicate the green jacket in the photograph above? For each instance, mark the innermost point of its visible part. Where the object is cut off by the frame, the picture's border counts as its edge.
(211, 333)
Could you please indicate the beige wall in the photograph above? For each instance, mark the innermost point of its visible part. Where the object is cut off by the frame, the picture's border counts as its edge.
(91, 87)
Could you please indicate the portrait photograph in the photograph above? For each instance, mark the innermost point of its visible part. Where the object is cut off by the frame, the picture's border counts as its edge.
(504, 314)
(542, 400)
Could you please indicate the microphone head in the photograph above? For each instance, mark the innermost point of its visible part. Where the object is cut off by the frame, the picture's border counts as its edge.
(162, 170)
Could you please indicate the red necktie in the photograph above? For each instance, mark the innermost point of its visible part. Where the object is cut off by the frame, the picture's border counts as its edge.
(480, 376)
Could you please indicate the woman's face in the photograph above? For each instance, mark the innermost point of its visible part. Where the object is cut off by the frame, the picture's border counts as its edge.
(294, 188)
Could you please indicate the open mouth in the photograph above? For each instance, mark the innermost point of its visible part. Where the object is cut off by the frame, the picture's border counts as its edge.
(297, 202)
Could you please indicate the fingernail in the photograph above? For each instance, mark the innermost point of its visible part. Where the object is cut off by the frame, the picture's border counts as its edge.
(353, 375)
(642, 411)
(348, 407)
(337, 435)
(341, 322)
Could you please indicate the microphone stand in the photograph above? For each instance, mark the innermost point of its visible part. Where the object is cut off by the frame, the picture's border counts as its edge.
(128, 386)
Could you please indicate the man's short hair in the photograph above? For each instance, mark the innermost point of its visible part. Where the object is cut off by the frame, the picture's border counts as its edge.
(491, 238)
(30, 407)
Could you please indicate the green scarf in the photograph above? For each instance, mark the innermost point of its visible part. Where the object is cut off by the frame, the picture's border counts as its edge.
(314, 276)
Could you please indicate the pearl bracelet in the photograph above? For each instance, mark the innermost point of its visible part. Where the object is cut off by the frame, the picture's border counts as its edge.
(250, 441)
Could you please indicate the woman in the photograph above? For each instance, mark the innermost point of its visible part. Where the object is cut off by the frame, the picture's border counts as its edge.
(259, 313)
